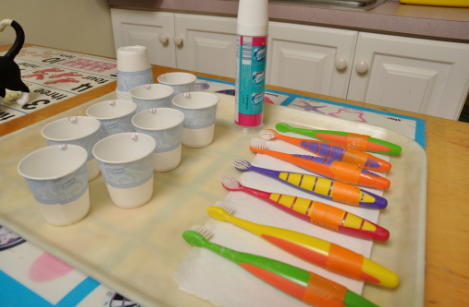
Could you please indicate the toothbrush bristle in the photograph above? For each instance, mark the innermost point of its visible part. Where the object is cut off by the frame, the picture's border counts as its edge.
(229, 181)
(268, 134)
(241, 164)
(258, 143)
(225, 206)
(204, 232)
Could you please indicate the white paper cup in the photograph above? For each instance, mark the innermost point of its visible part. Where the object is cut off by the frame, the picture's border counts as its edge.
(151, 96)
(200, 110)
(77, 130)
(133, 68)
(181, 82)
(132, 58)
(126, 162)
(123, 96)
(115, 116)
(58, 180)
(165, 127)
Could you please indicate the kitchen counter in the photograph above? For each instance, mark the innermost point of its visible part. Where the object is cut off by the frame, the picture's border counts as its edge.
(447, 234)
(432, 22)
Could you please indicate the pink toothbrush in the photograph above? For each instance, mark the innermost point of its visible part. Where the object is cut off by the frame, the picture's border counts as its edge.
(314, 212)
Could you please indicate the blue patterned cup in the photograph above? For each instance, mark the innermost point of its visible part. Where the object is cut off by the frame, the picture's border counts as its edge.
(200, 110)
(58, 179)
(115, 116)
(126, 81)
(151, 96)
(126, 162)
(76, 130)
(181, 82)
(165, 127)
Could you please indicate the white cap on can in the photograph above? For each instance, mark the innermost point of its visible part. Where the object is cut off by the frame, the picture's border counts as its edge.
(253, 17)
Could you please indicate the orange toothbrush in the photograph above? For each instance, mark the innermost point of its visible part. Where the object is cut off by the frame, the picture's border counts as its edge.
(335, 152)
(336, 170)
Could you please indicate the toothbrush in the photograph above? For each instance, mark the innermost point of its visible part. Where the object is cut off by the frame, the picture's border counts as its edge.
(351, 140)
(348, 155)
(329, 256)
(305, 286)
(316, 213)
(318, 186)
(336, 170)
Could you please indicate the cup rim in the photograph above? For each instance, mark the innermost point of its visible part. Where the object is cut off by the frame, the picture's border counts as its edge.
(118, 135)
(74, 139)
(158, 85)
(173, 73)
(109, 118)
(159, 129)
(196, 93)
(49, 148)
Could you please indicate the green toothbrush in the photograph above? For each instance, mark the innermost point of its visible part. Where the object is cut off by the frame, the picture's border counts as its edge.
(308, 287)
(350, 140)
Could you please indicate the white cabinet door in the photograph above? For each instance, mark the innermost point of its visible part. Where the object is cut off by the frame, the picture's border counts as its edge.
(424, 76)
(303, 57)
(144, 28)
(208, 44)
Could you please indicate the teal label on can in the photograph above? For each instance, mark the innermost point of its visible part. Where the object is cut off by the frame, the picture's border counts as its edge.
(250, 79)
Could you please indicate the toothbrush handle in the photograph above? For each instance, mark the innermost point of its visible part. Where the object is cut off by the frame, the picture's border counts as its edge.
(268, 198)
(346, 173)
(357, 141)
(305, 286)
(321, 253)
(323, 215)
(348, 155)
(326, 188)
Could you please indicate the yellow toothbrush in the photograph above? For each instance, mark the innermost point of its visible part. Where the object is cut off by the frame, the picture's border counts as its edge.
(327, 255)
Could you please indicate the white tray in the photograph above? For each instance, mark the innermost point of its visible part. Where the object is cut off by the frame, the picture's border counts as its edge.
(136, 251)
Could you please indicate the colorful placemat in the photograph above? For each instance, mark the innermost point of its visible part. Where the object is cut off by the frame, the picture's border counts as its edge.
(30, 276)
(53, 76)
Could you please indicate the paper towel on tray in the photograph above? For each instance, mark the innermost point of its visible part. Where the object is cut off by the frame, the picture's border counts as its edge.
(224, 283)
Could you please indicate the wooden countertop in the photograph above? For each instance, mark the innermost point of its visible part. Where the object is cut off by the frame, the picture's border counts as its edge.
(447, 236)
(443, 23)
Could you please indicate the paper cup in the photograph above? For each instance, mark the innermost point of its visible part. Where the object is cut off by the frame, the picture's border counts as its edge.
(58, 180)
(132, 58)
(151, 96)
(76, 130)
(115, 116)
(126, 162)
(181, 82)
(165, 127)
(200, 111)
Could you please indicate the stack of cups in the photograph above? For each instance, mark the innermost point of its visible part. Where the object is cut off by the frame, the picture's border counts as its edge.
(133, 69)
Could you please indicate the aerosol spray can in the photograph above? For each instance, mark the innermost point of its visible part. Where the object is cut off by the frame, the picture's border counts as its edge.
(251, 52)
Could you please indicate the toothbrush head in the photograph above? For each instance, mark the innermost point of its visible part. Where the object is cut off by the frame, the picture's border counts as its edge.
(222, 212)
(241, 165)
(268, 134)
(258, 145)
(282, 127)
(229, 182)
(197, 235)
